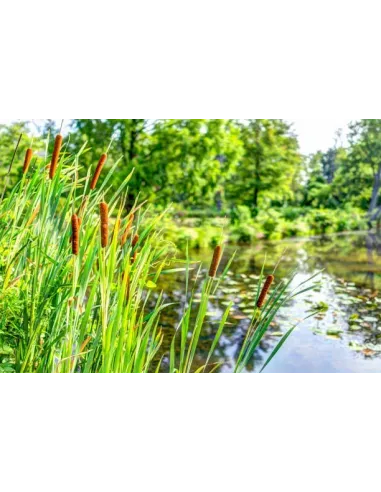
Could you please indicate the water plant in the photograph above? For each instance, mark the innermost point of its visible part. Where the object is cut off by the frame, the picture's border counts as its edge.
(78, 279)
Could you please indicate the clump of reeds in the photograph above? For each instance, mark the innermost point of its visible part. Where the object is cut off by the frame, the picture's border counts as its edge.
(104, 224)
(98, 170)
(215, 261)
(265, 290)
(128, 229)
(75, 234)
(27, 160)
(55, 156)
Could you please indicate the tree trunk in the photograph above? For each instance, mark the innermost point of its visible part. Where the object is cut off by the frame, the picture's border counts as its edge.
(257, 166)
(256, 194)
(375, 191)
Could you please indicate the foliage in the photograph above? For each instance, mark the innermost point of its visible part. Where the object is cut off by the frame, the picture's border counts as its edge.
(248, 170)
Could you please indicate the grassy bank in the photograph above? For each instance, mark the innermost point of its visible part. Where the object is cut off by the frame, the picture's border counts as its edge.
(202, 229)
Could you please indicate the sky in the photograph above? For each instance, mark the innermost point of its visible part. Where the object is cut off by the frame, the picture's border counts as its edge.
(314, 134)
(317, 135)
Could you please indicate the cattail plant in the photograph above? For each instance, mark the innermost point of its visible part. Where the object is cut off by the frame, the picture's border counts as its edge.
(75, 234)
(128, 229)
(265, 290)
(104, 224)
(135, 240)
(27, 160)
(55, 157)
(215, 261)
(98, 170)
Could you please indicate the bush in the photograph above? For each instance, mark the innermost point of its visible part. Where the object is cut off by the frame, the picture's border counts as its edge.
(243, 233)
(241, 215)
(322, 221)
(292, 213)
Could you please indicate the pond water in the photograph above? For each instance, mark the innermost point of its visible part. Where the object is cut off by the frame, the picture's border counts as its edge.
(344, 337)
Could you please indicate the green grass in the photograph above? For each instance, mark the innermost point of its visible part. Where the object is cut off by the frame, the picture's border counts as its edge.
(95, 312)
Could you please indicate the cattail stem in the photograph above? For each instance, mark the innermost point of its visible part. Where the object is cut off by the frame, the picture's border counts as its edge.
(215, 261)
(98, 170)
(104, 224)
(265, 290)
(55, 156)
(27, 160)
(75, 234)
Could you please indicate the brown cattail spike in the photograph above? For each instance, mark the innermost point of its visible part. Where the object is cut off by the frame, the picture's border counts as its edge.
(128, 229)
(75, 234)
(104, 224)
(79, 227)
(27, 160)
(98, 170)
(135, 240)
(215, 261)
(265, 290)
(55, 157)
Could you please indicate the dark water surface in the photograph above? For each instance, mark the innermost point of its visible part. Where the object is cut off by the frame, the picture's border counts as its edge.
(345, 337)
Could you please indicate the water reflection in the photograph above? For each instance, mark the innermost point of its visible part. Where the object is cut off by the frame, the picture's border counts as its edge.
(346, 337)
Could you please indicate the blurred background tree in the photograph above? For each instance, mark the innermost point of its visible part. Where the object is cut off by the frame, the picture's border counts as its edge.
(251, 170)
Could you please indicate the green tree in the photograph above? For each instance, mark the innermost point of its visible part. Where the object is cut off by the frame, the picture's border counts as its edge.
(270, 166)
(365, 161)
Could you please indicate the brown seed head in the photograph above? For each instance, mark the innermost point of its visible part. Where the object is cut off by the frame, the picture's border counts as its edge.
(133, 257)
(215, 261)
(98, 170)
(265, 290)
(75, 234)
(135, 240)
(128, 229)
(104, 224)
(27, 160)
(79, 227)
(55, 156)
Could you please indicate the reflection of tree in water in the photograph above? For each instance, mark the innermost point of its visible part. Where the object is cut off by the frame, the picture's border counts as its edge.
(373, 247)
